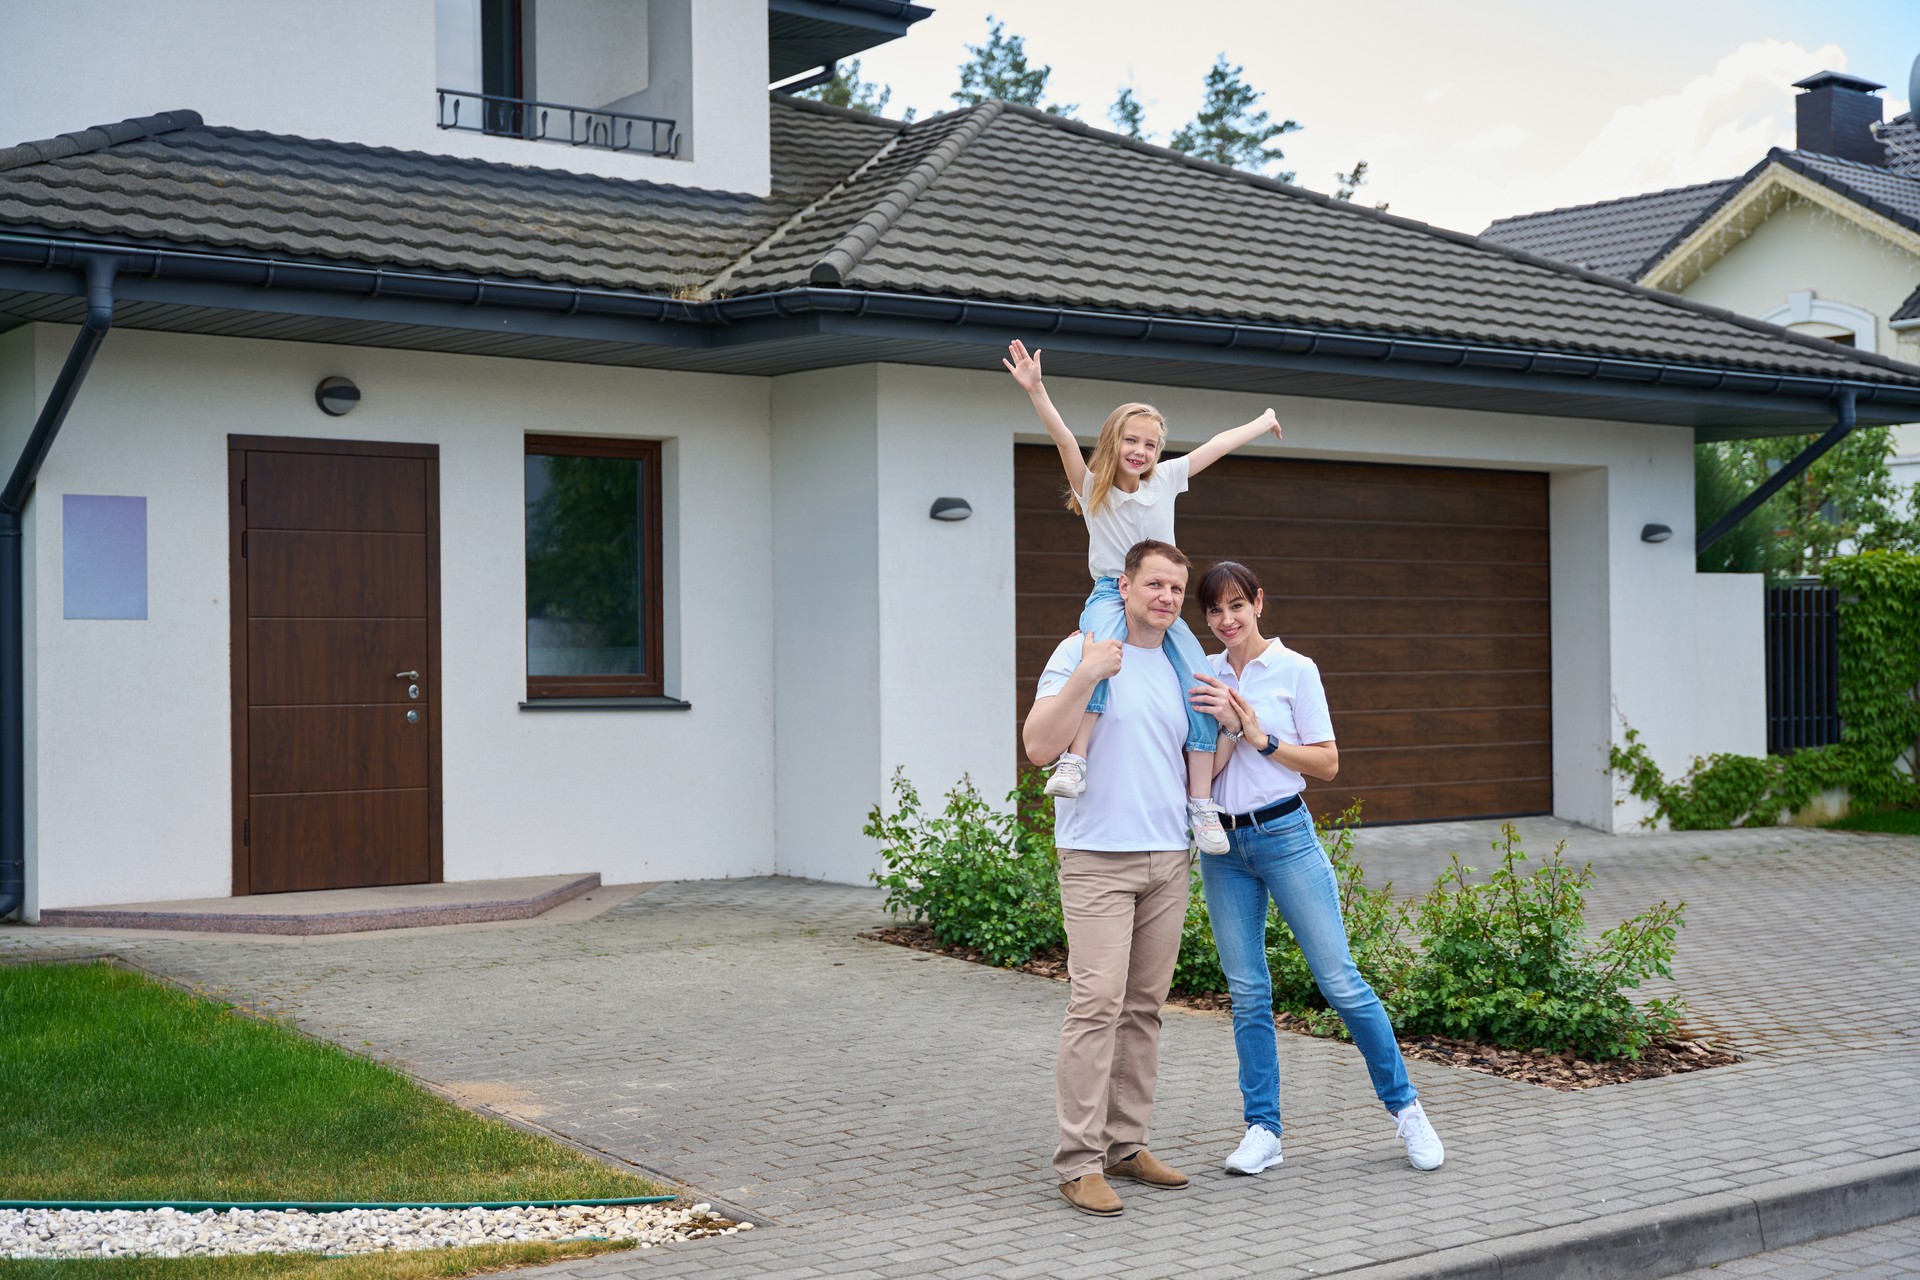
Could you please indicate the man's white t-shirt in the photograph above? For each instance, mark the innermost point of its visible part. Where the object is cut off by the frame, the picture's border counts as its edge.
(1284, 689)
(1136, 796)
(1128, 518)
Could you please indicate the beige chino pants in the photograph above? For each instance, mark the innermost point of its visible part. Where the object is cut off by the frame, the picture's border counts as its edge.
(1124, 912)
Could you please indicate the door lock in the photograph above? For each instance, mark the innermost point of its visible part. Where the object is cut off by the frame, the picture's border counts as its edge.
(413, 691)
(413, 717)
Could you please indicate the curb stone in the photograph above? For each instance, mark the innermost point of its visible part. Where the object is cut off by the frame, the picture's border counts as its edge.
(1682, 1236)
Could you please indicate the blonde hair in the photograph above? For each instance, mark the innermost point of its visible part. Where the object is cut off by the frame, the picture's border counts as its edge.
(1105, 462)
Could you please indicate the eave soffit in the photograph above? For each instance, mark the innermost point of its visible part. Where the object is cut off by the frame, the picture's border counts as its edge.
(1770, 191)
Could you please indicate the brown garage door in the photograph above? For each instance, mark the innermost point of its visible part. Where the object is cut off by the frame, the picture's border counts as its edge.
(1420, 591)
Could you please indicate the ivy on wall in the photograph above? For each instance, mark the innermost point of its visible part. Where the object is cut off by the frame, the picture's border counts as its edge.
(1877, 759)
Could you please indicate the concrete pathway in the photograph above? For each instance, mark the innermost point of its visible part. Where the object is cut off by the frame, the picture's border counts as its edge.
(888, 1113)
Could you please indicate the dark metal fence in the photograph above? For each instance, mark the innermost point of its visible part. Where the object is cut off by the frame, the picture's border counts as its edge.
(556, 122)
(1803, 667)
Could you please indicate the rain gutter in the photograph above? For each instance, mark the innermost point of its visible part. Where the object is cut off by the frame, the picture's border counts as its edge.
(693, 322)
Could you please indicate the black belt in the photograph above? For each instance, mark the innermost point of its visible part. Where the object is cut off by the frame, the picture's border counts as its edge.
(1258, 816)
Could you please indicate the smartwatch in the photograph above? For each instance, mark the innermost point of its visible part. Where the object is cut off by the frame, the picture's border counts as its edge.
(1273, 745)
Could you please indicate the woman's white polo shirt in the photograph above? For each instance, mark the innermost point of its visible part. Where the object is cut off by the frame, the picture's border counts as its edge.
(1284, 690)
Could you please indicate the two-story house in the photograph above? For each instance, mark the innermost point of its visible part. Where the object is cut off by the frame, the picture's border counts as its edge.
(1823, 238)
(483, 439)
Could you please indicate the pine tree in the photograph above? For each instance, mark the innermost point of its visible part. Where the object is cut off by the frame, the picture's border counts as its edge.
(847, 89)
(1231, 129)
(1350, 182)
(999, 70)
(1127, 114)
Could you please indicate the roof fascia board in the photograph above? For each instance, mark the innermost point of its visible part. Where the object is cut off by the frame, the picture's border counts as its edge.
(376, 295)
(292, 300)
(988, 335)
(1751, 206)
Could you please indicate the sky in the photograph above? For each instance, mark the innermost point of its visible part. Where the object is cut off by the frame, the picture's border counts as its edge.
(1465, 110)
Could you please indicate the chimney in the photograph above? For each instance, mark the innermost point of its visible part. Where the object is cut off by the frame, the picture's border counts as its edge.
(1836, 115)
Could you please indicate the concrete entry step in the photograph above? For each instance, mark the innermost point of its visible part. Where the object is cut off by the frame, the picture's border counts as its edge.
(399, 906)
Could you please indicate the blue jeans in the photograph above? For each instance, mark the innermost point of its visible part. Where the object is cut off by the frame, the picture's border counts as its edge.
(1105, 615)
(1283, 858)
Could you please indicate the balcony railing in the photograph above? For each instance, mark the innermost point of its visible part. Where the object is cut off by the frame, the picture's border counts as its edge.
(554, 122)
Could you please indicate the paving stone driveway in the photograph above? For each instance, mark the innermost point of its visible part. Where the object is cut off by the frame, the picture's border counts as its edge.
(888, 1113)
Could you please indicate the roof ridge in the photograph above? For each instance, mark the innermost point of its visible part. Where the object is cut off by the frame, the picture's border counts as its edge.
(98, 138)
(1600, 204)
(724, 276)
(852, 246)
(1460, 237)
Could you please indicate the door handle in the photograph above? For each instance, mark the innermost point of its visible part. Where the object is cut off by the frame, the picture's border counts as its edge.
(406, 675)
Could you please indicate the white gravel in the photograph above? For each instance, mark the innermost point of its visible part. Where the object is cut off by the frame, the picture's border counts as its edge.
(172, 1233)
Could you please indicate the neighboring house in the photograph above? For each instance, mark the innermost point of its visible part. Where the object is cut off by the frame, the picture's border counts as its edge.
(449, 506)
(1824, 239)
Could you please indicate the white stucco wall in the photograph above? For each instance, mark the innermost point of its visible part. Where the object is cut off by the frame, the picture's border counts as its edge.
(1625, 612)
(281, 68)
(133, 763)
(1806, 248)
(826, 600)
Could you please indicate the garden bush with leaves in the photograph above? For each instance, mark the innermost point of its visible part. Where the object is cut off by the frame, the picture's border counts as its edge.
(982, 878)
(1508, 961)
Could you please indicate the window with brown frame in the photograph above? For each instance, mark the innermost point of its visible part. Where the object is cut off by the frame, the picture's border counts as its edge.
(593, 568)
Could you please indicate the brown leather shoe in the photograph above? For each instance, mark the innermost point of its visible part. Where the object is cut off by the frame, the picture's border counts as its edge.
(1144, 1166)
(1089, 1193)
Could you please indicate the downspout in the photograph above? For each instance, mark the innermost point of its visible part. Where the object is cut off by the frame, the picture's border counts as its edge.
(13, 606)
(1843, 423)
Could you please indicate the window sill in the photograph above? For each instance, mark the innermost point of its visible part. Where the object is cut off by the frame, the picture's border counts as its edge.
(654, 703)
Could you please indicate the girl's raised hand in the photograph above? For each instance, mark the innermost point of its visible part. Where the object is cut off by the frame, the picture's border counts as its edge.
(1025, 368)
(1272, 423)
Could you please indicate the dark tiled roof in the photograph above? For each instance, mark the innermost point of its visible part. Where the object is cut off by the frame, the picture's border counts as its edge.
(175, 179)
(1892, 195)
(997, 201)
(1909, 310)
(1901, 137)
(1613, 237)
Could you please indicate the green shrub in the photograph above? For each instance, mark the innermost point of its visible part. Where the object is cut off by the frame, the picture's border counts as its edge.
(981, 878)
(1508, 961)
(1877, 759)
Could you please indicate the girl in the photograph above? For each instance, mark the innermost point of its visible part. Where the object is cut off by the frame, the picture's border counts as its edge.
(1126, 495)
(1273, 711)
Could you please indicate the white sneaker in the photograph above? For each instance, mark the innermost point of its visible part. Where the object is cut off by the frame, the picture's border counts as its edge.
(1208, 835)
(1258, 1151)
(1423, 1144)
(1069, 776)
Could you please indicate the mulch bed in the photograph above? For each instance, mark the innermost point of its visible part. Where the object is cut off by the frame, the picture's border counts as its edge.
(1532, 1066)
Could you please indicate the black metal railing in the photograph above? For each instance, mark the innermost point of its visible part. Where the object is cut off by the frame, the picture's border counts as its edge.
(556, 122)
(1803, 667)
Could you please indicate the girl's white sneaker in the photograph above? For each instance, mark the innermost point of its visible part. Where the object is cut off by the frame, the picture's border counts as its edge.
(1208, 835)
(1069, 776)
(1423, 1144)
(1258, 1151)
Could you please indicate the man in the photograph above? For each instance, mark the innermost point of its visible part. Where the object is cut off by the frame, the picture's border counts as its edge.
(1123, 879)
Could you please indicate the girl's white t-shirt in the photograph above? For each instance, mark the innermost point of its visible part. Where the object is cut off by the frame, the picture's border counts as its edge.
(1128, 518)
(1284, 690)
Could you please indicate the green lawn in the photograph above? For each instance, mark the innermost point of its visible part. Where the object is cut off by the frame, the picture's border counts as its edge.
(1904, 822)
(121, 1088)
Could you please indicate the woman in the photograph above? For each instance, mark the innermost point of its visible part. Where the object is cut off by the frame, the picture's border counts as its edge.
(1275, 728)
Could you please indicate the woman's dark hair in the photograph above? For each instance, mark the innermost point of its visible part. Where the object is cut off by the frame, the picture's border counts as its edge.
(1222, 580)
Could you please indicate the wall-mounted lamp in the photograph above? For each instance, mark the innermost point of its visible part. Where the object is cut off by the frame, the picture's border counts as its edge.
(1655, 533)
(950, 509)
(336, 396)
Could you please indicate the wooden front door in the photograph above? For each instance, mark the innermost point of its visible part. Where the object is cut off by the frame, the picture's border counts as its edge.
(336, 663)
